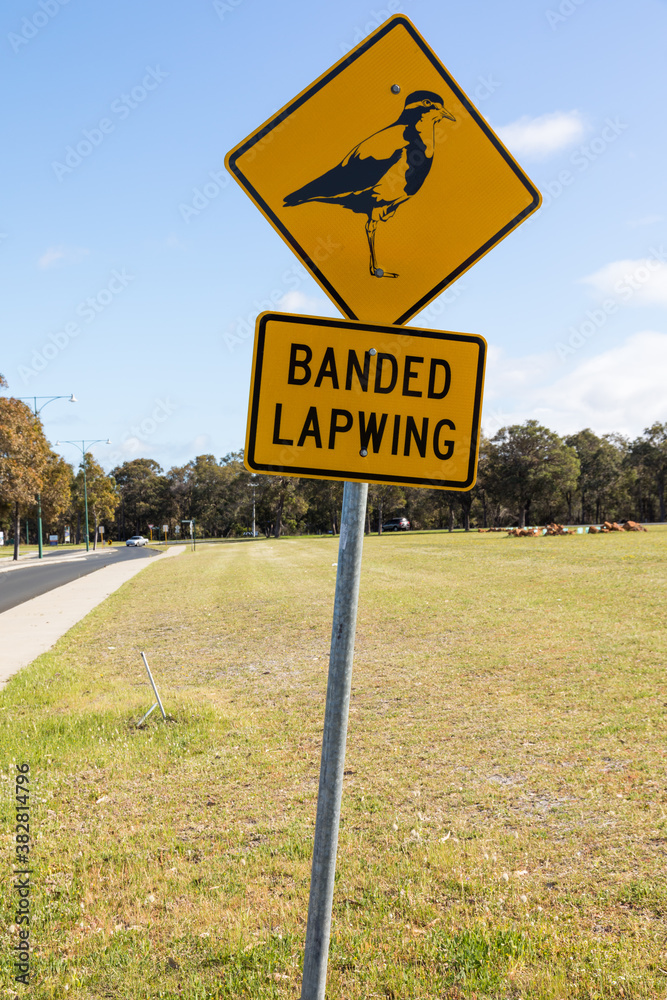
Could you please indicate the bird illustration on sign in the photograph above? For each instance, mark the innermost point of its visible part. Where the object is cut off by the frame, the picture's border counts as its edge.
(385, 170)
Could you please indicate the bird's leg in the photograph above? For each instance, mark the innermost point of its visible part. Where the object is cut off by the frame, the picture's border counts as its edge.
(376, 271)
(371, 226)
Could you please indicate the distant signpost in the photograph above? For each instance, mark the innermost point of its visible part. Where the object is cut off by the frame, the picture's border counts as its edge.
(388, 184)
(191, 523)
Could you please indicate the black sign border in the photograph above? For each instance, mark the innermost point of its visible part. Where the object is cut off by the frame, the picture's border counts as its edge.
(395, 331)
(393, 22)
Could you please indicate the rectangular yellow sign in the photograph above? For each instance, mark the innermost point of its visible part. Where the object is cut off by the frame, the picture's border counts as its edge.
(340, 399)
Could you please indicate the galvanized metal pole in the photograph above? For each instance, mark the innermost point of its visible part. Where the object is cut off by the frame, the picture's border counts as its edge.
(155, 691)
(333, 741)
(40, 547)
(85, 495)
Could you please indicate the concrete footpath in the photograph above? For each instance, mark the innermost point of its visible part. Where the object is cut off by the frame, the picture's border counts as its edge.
(32, 628)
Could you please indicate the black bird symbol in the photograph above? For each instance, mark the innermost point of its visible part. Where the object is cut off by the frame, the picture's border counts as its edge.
(384, 170)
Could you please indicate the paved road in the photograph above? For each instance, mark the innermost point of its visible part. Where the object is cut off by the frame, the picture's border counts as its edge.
(35, 577)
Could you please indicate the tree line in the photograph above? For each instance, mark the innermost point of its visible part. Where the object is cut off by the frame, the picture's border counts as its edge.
(527, 474)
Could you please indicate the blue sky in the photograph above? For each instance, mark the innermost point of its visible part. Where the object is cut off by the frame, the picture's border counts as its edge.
(111, 290)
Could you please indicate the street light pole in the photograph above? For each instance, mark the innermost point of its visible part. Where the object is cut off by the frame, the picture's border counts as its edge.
(82, 448)
(49, 399)
(85, 502)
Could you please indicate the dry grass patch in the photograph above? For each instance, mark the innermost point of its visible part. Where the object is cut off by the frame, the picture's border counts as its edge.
(504, 829)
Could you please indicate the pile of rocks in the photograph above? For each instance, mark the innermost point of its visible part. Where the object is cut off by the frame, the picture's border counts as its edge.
(524, 532)
(608, 526)
(560, 529)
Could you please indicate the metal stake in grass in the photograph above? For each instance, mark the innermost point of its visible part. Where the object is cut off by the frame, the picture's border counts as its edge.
(333, 741)
(158, 702)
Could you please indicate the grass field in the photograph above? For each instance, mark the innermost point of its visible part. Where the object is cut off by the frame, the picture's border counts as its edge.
(504, 824)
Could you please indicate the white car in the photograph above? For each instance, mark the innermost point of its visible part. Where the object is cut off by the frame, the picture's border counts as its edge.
(137, 540)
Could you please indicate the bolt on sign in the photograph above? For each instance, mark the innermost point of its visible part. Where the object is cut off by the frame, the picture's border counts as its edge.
(384, 178)
(339, 399)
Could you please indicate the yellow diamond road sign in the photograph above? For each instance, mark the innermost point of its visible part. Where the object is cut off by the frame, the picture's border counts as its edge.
(339, 399)
(384, 178)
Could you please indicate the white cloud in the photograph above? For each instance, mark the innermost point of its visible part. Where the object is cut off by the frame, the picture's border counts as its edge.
(542, 136)
(172, 242)
(51, 257)
(622, 389)
(619, 390)
(62, 255)
(199, 445)
(515, 374)
(308, 305)
(646, 220)
(642, 281)
(130, 448)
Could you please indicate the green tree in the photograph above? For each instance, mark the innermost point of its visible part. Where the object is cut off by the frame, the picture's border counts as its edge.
(207, 488)
(24, 454)
(649, 454)
(220, 493)
(601, 468)
(56, 490)
(428, 508)
(384, 499)
(466, 500)
(141, 489)
(177, 497)
(103, 497)
(529, 464)
(282, 501)
(324, 498)
(480, 489)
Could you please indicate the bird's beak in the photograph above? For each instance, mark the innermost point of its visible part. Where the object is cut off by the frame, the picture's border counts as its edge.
(446, 114)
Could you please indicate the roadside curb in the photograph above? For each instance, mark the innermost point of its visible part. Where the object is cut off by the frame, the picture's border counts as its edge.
(31, 628)
(32, 561)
